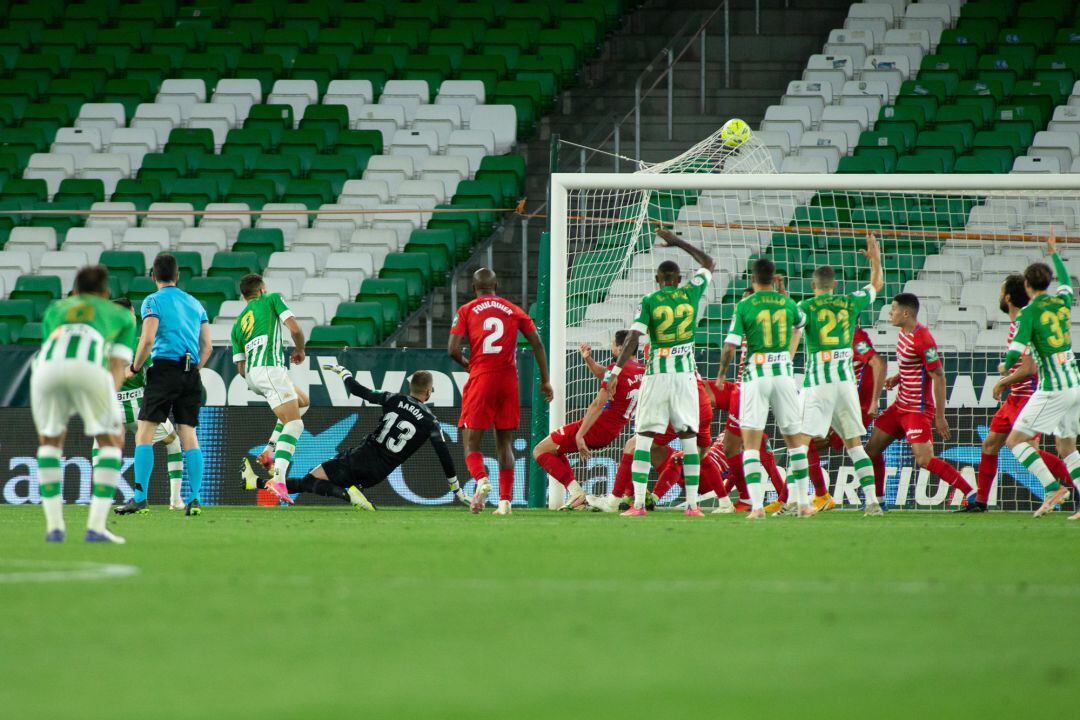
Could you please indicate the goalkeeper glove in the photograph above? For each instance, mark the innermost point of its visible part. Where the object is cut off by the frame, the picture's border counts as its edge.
(338, 370)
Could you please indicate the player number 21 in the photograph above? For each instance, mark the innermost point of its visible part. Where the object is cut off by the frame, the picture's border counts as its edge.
(767, 321)
(829, 321)
(493, 332)
(666, 316)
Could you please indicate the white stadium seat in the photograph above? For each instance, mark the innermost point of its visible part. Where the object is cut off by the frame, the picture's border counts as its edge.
(219, 118)
(161, 118)
(501, 120)
(447, 169)
(1064, 146)
(387, 119)
(50, 167)
(330, 291)
(89, 241)
(354, 267)
(855, 44)
(344, 223)
(409, 94)
(174, 218)
(184, 93)
(319, 242)
(353, 94)
(807, 165)
(149, 241)
(365, 193)
(414, 143)
(239, 93)
(77, 142)
(109, 168)
(375, 242)
(63, 264)
(466, 94)
(207, 241)
(472, 144)
(793, 120)
(1028, 164)
(133, 142)
(893, 70)
(423, 193)
(232, 223)
(14, 263)
(298, 266)
(297, 94)
(104, 117)
(851, 120)
(870, 95)
(287, 217)
(113, 222)
(440, 119)
(33, 241)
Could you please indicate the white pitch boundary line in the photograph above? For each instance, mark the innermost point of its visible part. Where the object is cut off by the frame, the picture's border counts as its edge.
(43, 571)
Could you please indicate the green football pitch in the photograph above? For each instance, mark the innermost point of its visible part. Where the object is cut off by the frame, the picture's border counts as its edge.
(328, 613)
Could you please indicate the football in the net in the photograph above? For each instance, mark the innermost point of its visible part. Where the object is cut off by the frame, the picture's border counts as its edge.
(734, 133)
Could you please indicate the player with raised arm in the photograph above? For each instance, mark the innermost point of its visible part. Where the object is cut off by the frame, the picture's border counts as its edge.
(1019, 381)
(1053, 409)
(770, 322)
(919, 407)
(669, 394)
(490, 397)
(130, 397)
(85, 352)
(830, 398)
(406, 424)
(259, 354)
(603, 423)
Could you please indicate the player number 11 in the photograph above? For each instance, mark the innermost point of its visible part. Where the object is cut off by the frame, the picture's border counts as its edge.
(766, 321)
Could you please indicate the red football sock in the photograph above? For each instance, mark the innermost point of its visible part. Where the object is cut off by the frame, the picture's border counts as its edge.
(671, 475)
(816, 476)
(949, 474)
(624, 484)
(558, 467)
(768, 461)
(506, 484)
(988, 465)
(878, 462)
(711, 480)
(738, 479)
(1057, 468)
(475, 462)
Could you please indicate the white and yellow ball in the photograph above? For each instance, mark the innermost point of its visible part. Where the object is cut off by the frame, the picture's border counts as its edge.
(734, 133)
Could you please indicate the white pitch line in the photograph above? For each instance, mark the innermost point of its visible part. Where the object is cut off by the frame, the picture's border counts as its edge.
(43, 571)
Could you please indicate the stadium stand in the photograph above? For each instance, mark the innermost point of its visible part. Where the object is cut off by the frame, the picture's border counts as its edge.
(395, 107)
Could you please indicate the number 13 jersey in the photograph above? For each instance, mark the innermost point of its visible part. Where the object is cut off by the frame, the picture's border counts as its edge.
(491, 325)
(669, 317)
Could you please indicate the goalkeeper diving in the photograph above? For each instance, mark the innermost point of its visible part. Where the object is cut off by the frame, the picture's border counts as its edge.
(406, 424)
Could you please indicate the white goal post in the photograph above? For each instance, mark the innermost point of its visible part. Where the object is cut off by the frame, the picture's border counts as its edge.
(937, 229)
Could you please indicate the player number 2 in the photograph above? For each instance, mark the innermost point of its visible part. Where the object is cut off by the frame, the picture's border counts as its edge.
(767, 321)
(405, 432)
(494, 330)
(666, 316)
(829, 321)
(1059, 324)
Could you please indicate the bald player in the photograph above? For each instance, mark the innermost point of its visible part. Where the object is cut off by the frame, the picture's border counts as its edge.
(490, 398)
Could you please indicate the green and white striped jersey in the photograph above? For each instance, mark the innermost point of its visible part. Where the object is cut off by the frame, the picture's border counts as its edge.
(1044, 325)
(131, 392)
(766, 320)
(669, 317)
(830, 323)
(256, 335)
(87, 328)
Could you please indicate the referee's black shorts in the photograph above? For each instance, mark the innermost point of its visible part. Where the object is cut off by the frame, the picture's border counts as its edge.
(360, 466)
(172, 390)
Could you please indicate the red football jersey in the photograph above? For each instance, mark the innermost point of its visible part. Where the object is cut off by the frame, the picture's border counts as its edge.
(917, 355)
(491, 325)
(862, 351)
(620, 409)
(1024, 389)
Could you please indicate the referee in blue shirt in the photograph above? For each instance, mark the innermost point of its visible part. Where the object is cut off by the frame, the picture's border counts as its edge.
(176, 337)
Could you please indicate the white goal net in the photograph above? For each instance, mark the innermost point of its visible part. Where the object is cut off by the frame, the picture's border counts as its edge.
(950, 239)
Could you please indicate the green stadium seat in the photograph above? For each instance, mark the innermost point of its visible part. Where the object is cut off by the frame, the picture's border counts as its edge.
(139, 289)
(220, 169)
(373, 12)
(526, 97)
(264, 68)
(861, 164)
(153, 68)
(465, 226)
(255, 193)
(335, 169)
(328, 119)
(488, 69)
(279, 169)
(999, 144)
(307, 17)
(263, 242)
(30, 335)
(191, 141)
(5, 334)
(920, 164)
(212, 292)
(274, 118)
(248, 144)
(304, 144)
(189, 264)
(392, 294)
(129, 93)
(432, 69)
(60, 223)
(344, 42)
(415, 268)
(508, 171)
(235, 39)
(16, 313)
(86, 192)
(141, 192)
(360, 144)
(376, 68)
(321, 68)
(368, 318)
(38, 289)
(71, 94)
(197, 191)
(32, 190)
(338, 336)
(311, 193)
(124, 265)
(234, 265)
(284, 43)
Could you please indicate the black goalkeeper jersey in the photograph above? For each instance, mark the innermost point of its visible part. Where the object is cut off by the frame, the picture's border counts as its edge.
(406, 424)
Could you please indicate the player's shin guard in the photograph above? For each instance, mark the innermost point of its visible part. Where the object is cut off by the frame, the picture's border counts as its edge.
(48, 460)
(144, 467)
(1058, 468)
(753, 471)
(624, 484)
(474, 461)
(984, 480)
(193, 458)
(271, 444)
(799, 476)
(1029, 458)
(1072, 462)
(864, 471)
(175, 454)
(691, 465)
(506, 484)
(640, 469)
(106, 475)
(949, 474)
(817, 477)
(286, 446)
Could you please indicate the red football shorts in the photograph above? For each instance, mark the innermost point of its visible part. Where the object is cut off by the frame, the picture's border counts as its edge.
(732, 424)
(597, 437)
(1006, 415)
(916, 427)
(491, 400)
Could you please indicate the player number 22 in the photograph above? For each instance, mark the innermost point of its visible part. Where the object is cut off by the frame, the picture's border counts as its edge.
(493, 332)
(405, 432)
(666, 316)
(767, 321)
